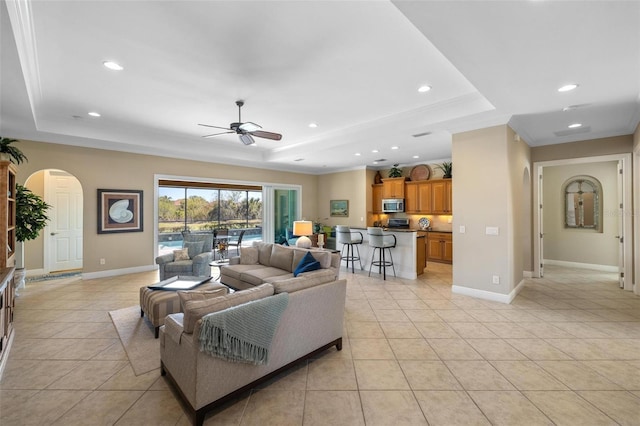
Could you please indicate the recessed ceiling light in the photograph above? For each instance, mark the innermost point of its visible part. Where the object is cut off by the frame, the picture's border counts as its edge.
(94, 114)
(375, 162)
(394, 147)
(568, 87)
(416, 156)
(357, 154)
(374, 151)
(575, 125)
(113, 65)
(313, 125)
(424, 89)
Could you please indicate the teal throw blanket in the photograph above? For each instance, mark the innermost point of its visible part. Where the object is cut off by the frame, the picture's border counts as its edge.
(243, 333)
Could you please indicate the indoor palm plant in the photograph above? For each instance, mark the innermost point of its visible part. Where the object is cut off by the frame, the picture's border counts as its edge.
(31, 218)
(10, 152)
(447, 168)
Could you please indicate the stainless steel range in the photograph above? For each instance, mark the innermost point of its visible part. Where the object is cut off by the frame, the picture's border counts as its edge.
(398, 223)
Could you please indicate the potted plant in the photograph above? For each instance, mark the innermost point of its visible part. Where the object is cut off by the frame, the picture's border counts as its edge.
(9, 152)
(395, 172)
(447, 168)
(31, 218)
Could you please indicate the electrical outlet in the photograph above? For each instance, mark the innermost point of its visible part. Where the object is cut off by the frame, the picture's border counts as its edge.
(103, 261)
(496, 279)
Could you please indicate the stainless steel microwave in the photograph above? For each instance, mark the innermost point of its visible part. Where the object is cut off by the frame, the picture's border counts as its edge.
(393, 205)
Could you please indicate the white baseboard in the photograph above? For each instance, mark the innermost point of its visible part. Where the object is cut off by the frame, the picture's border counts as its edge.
(32, 272)
(527, 274)
(116, 272)
(488, 295)
(593, 266)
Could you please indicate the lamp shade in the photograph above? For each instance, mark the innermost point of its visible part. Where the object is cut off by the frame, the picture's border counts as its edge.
(302, 228)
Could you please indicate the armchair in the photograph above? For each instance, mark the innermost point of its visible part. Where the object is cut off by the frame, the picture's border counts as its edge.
(199, 247)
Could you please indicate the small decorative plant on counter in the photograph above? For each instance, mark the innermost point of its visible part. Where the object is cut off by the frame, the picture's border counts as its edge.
(9, 152)
(447, 168)
(395, 172)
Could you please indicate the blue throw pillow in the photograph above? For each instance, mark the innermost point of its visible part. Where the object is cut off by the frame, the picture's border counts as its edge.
(308, 263)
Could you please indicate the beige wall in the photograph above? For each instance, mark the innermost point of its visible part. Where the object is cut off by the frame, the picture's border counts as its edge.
(353, 185)
(580, 245)
(519, 205)
(117, 170)
(481, 196)
(588, 148)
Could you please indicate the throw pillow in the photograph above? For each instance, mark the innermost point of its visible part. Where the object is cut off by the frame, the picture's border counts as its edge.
(186, 296)
(308, 263)
(182, 254)
(249, 256)
(194, 248)
(281, 257)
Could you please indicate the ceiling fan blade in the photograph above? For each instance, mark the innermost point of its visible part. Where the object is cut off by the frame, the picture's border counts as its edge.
(267, 135)
(215, 127)
(249, 127)
(216, 134)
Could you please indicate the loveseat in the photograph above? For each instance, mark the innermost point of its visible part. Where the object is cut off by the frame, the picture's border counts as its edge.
(270, 263)
(312, 322)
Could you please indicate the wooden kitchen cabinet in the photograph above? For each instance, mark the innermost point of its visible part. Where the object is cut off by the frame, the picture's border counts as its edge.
(417, 197)
(421, 252)
(424, 197)
(440, 247)
(393, 187)
(411, 200)
(441, 197)
(376, 198)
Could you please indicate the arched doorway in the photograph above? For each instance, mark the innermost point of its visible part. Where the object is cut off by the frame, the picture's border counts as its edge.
(59, 246)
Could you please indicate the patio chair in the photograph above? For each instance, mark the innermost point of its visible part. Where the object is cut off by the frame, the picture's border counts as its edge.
(237, 243)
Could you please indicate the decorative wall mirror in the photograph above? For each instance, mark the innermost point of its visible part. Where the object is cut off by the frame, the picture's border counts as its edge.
(582, 203)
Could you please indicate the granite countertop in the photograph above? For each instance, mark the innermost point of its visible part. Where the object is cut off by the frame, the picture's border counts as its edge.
(360, 228)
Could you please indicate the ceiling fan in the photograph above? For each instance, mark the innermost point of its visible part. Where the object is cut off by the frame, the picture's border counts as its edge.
(246, 131)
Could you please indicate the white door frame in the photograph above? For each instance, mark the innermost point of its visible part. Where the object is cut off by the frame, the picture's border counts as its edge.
(625, 159)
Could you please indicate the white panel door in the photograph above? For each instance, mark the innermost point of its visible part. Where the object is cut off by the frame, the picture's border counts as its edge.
(64, 234)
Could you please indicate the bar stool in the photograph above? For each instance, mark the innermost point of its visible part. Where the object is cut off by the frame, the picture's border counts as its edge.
(350, 240)
(381, 242)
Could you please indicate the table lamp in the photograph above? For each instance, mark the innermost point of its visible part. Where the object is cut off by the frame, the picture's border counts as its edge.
(302, 229)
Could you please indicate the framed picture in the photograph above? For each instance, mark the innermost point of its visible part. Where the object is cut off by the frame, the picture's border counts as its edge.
(339, 208)
(119, 210)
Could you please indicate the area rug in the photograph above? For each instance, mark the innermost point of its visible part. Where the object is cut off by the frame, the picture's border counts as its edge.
(136, 335)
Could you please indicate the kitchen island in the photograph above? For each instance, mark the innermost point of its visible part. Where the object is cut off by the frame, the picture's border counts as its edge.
(404, 253)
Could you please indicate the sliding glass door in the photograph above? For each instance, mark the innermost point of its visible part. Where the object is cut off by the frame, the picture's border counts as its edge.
(282, 205)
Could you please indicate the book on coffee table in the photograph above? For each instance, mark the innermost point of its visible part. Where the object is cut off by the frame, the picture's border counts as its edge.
(180, 283)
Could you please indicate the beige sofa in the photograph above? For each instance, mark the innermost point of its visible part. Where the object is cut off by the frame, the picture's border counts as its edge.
(311, 323)
(271, 263)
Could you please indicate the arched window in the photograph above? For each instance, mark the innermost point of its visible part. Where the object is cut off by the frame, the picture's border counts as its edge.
(582, 203)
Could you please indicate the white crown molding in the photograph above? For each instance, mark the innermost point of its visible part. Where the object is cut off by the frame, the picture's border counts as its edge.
(20, 14)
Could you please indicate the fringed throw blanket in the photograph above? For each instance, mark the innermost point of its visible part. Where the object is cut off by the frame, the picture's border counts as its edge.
(243, 333)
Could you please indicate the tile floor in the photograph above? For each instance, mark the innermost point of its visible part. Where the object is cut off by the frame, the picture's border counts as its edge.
(566, 352)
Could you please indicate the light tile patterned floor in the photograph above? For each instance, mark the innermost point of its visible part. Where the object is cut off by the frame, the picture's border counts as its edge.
(566, 352)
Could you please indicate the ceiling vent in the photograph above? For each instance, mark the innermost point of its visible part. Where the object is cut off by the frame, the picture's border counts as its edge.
(417, 135)
(584, 129)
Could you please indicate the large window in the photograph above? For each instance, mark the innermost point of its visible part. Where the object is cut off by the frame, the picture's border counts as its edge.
(207, 207)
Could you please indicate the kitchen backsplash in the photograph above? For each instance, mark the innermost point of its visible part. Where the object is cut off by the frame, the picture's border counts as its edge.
(438, 222)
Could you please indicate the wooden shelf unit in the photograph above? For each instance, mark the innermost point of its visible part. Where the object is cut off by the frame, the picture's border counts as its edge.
(7, 257)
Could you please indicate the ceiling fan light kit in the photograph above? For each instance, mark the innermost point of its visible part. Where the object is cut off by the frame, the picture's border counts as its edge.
(246, 131)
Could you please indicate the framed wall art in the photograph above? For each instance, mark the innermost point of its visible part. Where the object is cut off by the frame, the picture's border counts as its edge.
(119, 210)
(339, 208)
